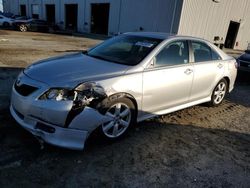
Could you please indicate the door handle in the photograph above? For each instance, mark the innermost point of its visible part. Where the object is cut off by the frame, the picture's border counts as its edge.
(220, 65)
(188, 71)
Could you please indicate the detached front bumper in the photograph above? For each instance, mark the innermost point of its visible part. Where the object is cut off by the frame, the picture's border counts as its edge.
(52, 134)
(46, 119)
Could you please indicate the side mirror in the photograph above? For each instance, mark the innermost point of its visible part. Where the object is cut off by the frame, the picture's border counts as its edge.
(151, 63)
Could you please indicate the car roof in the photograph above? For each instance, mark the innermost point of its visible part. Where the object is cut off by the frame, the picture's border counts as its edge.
(166, 36)
(163, 36)
(156, 35)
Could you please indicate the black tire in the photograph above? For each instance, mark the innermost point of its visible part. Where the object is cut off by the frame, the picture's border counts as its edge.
(6, 24)
(119, 122)
(23, 28)
(219, 93)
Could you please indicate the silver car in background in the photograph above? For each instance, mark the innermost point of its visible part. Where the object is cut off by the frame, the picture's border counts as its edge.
(124, 80)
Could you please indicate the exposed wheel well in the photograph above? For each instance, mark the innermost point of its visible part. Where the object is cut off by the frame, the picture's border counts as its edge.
(127, 95)
(228, 82)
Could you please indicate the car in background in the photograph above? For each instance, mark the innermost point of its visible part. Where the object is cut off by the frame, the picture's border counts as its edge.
(126, 79)
(7, 14)
(244, 61)
(32, 25)
(5, 21)
(18, 18)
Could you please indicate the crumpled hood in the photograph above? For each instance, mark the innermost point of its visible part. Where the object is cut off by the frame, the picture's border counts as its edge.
(71, 68)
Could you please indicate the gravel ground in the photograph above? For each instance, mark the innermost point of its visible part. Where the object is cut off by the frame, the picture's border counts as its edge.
(21, 49)
(195, 147)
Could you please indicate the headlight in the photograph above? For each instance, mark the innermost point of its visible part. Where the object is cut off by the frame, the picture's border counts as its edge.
(83, 93)
(58, 95)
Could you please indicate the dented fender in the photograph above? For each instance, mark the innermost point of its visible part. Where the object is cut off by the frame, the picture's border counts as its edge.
(89, 119)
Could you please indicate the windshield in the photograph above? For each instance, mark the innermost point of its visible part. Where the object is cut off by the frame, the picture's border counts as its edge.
(125, 49)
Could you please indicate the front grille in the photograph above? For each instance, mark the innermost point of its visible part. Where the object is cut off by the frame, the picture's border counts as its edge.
(24, 89)
(244, 64)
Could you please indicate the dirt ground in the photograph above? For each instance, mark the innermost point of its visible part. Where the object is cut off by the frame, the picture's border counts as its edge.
(21, 49)
(195, 147)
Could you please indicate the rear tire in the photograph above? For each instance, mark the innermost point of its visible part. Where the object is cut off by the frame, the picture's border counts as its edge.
(123, 116)
(219, 93)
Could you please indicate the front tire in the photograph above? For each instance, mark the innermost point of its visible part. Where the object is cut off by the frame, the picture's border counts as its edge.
(122, 114)
(219, 93)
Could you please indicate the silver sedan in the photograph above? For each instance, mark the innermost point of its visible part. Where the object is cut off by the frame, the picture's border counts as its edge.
(124, 80)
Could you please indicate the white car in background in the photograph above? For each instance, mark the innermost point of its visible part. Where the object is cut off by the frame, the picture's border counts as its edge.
(4, 21)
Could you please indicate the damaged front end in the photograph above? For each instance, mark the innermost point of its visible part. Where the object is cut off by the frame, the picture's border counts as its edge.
(86, 99)
(60, 116)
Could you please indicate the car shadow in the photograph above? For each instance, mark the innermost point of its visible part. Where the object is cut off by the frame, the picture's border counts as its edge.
(243, 78)
(240, 94)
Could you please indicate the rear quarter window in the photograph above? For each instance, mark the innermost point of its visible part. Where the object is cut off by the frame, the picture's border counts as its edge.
(203, 52)
(215, 55)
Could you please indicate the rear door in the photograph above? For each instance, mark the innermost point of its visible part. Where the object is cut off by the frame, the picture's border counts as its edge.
(168, 82)
(208, 70)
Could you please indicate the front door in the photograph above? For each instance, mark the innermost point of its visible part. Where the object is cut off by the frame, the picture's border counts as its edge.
(168, 83)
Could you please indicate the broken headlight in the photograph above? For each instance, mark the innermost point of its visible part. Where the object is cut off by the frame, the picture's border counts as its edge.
(90, 89)
(88, 93)
(59, 94)
(83, 94)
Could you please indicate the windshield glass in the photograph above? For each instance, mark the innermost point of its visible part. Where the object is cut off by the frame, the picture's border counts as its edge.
(125, 49)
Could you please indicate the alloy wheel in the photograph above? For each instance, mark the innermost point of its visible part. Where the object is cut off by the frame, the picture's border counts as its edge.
(220, 92)
(121, 116)
(23, 28)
